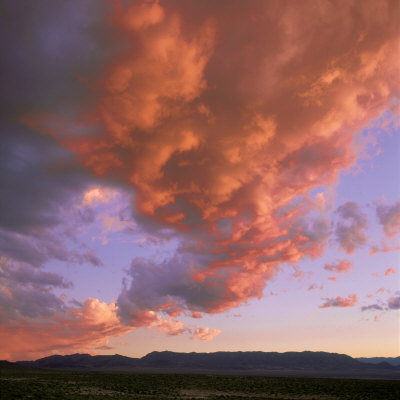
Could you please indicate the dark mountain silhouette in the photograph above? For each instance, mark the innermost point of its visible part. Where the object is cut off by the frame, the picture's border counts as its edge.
(82, 361)
(4, 364)
(395, 361)
(220, 361)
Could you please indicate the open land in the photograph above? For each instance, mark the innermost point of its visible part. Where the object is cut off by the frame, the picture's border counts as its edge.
(24, 383)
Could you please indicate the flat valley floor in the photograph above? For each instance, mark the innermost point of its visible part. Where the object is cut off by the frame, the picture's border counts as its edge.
(21, 383)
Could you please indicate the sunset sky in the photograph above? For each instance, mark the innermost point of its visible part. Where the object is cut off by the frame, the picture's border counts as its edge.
(199, 176)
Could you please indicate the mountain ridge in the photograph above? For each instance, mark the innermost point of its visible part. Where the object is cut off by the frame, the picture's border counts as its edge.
(395, 361)
(217, 361)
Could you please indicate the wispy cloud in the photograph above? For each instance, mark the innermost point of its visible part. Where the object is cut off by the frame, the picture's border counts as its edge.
(339, 301)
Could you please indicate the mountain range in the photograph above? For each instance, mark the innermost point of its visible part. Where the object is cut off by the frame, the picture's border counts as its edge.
(395, 361)
(305, 363)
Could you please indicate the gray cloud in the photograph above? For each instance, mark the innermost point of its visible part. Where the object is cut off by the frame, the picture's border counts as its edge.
(28, 291)
(394, 303)
(49, 43)
(389, 218)
(339, 266)
(169, 282)
(350, 230)
(25, 275)
(372, 307)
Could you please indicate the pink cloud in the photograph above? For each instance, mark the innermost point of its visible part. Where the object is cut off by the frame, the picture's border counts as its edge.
(338, 301)
(384, 248)
(105, 347)
(340, 266)
(196, 315)
(205, 333)
(168, 325)
(299, 274)
(76, 329)
(219, 142)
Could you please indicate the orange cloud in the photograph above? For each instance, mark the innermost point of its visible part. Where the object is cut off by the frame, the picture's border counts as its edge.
(390, 271)
(221, 129)
(78, 329)
(196, 315)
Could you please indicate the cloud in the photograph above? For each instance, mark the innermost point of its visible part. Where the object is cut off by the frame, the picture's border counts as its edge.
(40, 185)
(105, 347)
(205, 333)
(386, 273)
(25, 275)
(340, 266)
(32, 313)
(220, 131)
(389, 218)
(372, 307)
(350, 229)
(384, 248)
(75, 329)
(390, 271)
(338, 301)
(168, 325)
(394, 303)
(299, 274)
(26, 291)
(314, 286)
(201, 132)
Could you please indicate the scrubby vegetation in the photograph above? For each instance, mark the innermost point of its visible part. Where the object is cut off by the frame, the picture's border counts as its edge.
(19, 384)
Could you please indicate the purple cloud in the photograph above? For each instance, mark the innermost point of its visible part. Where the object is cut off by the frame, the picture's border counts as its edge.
(389, 218)
(350, 229)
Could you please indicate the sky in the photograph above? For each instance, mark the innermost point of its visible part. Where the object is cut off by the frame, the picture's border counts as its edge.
(199, 176)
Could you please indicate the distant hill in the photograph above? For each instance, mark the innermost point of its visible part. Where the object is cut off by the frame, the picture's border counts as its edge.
(242, 362)
(395, 361)
(4, 364)
(82, 361)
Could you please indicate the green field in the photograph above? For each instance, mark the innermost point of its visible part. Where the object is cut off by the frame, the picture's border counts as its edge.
(41, 384)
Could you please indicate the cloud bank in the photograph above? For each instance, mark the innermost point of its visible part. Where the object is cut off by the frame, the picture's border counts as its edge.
(220, 116)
